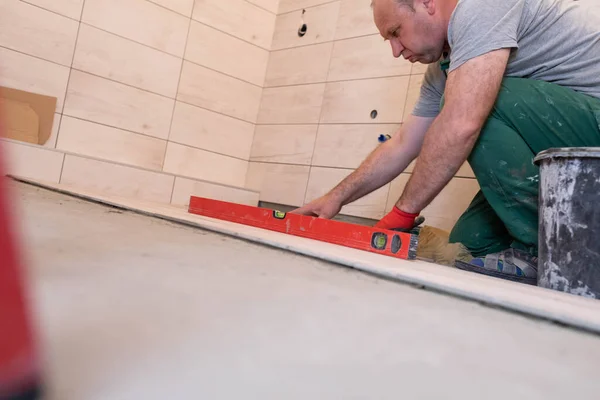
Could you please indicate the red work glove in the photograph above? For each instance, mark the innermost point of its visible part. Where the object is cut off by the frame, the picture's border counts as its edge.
(397, 219)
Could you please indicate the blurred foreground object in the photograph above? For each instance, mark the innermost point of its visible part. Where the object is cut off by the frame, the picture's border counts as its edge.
(20, 376)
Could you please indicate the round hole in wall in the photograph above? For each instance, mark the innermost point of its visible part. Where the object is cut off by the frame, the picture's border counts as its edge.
(302, 30)
(373, 114)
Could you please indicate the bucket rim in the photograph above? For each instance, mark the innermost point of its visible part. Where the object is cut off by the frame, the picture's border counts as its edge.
(568, 152)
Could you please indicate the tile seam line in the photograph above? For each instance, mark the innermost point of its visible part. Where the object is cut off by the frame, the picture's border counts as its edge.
(164, 160)
(34, 56)
(145, 135)
(132, 40)
(325, 123)
(258, 161)
(159, 95)
(164, 97)
(178, 58)
(161, 6)
(230, 35)
(202, 66)
(95, 27)
(66, 16)
(341, 80)
(194, 4)
(67, 91)
(262, 8)
(321, 42)
(308, 7)
(169, 9)
(225, 74)
(67, 153)
(51, 11)
(321, 106)
(172, 190)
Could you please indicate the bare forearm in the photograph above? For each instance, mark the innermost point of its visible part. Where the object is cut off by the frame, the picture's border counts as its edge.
(442, 155)
(385, 163)
(471, 91)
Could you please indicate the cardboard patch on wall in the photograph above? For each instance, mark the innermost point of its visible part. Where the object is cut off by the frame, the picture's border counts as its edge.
(28, 117)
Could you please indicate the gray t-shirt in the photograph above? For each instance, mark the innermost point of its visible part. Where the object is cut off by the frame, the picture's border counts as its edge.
(556, 41)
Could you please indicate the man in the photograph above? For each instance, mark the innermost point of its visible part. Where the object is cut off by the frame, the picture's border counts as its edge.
(506, 80)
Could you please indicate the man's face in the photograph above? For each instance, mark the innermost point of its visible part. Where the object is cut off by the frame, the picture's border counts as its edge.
(417, 35)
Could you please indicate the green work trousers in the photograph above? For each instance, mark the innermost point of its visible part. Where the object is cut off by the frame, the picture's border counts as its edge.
(529, 116)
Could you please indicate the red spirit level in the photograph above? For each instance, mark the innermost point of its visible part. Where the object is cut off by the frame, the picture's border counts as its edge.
(381, 241)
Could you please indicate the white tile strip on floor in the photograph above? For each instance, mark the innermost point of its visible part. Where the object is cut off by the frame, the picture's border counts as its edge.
(533, 301)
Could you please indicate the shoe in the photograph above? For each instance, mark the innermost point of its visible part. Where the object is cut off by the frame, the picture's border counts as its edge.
(511, 264)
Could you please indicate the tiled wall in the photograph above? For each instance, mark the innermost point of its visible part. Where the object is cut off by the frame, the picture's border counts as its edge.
(172, 86)
(314, 123)
(199, 88)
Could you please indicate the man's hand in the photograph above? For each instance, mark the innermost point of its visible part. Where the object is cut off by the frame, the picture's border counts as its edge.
(324, 207)
(397, 219)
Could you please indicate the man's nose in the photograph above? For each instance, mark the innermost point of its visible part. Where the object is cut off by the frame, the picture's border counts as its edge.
(397, 48)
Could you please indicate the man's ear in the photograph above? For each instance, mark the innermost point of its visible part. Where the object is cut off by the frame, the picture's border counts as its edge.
(429, 5)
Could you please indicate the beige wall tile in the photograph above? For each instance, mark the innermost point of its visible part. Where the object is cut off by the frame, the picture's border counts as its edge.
(111, 103)
(419, 68)
(320, 22)
(68, 8)
(291, 105)
(140, 21)
(181, 6)
(122, 60)
(465, 171)
(37, 32)
(291, 144)
(292, 5)
(90, 139)
(33, 162)
(216, 50)
(353, 101)
(365, 57)
(117, 180)
(203, 129)
(346, 146)
(194, 163)
(278, 183)
(269, 5)
(356, 19)
(307, 64)
(414, 91)
(286, 6)
(217, 92)
(184, 188)
(322, 180)
(238, 18)
(447, 207)
(31, 74)
(51, 143)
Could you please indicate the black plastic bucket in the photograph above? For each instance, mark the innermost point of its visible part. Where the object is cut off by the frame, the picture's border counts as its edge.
(569, 235)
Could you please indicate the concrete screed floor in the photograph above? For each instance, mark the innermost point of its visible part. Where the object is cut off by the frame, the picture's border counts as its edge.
(133, 307)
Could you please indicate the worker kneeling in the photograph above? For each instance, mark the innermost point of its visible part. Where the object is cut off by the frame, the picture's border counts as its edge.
(505, 81)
